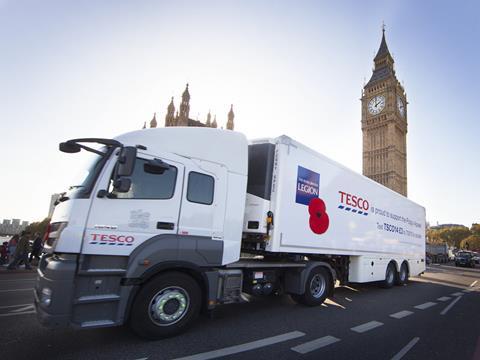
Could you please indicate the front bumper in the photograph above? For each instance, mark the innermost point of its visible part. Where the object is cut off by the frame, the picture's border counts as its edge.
(49, 320)
(56, 273)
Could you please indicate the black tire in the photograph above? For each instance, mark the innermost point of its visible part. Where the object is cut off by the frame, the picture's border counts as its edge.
(402, 276)
(297, 298)
(177, 298)
(317, 288)
(390, 275)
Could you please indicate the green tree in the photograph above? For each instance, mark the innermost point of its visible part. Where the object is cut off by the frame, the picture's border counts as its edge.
(453, 236)
(433, 236)
(471, 243)
(475, 229)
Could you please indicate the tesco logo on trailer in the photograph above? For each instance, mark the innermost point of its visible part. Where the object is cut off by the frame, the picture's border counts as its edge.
(353, 203)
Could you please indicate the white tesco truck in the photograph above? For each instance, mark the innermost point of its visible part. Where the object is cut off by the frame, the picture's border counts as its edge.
(173, 221)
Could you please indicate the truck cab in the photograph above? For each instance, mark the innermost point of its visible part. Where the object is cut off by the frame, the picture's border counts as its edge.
(153, 198)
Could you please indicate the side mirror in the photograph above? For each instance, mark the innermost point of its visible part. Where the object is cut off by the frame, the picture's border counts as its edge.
(69, 147)
(155, 166)
(122, 185)
(126, 161)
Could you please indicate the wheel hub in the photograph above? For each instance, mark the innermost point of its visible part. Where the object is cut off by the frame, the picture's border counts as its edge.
(317, 286)
(169, 306)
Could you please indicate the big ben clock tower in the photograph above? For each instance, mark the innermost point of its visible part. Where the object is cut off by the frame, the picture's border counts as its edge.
(384, 124)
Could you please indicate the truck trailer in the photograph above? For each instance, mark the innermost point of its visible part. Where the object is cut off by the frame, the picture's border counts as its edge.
(439, 253)
(171, 222)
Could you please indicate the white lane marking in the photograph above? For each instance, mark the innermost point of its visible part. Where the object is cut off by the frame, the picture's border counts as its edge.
(366, 327)
(406, 349)
(10, 306)
(15, 314)
(17, 280)
(468, 290)
(444, 298)
(457, 294)
(473, 283)
(12, 290)
(401, 314)
(24, 308)
(425, 305)
(244, 347)
(315, 344)
(444, 311)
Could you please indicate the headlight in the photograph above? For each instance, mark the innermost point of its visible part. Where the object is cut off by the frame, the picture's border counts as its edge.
(46, 296)
(54, 231)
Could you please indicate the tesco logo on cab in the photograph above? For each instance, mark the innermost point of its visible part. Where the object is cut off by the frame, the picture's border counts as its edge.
(111, 239)
(354, 201)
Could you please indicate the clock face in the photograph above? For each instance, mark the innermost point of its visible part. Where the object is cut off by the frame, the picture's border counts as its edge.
(400, 106)
(376, 104)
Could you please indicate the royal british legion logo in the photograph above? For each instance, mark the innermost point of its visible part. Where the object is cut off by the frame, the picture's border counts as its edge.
(308, 190)
(308, 185)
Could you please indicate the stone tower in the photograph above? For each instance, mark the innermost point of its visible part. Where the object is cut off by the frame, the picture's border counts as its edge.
(184, 109)
(170, 117)
(153, 122)
(209, 119)
(384, 124)
(231, 115)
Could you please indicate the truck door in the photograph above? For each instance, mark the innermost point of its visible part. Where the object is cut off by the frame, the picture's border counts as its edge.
(204, 198)
(119, 222)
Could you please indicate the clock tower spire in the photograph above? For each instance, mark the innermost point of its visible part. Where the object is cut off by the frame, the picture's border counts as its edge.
(384, 124)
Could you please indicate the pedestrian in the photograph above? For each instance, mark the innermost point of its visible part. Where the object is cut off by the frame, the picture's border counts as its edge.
(4, 253)
(12, 246)
(21, 252)
(36, 248)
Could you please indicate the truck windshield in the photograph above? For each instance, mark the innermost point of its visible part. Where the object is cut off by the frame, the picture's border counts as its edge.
(90, 165)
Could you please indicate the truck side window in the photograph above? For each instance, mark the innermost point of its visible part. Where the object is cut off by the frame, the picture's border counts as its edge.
(200, 188)
(150, 186)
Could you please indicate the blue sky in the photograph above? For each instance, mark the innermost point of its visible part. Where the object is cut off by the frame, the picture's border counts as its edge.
(100, 68)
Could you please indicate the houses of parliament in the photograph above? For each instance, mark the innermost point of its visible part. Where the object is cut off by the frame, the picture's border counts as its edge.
(383, 120)
(181, 117)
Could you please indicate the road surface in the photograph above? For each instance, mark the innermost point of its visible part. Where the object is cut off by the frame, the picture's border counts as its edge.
(435, 316)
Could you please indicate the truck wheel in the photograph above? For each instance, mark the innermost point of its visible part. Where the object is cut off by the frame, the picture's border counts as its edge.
(317, 288)
(402, 277)
(389, 277)
(297, 298)
(165, 306)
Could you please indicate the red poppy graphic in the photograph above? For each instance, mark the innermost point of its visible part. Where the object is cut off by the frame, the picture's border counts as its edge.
(319, 220)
